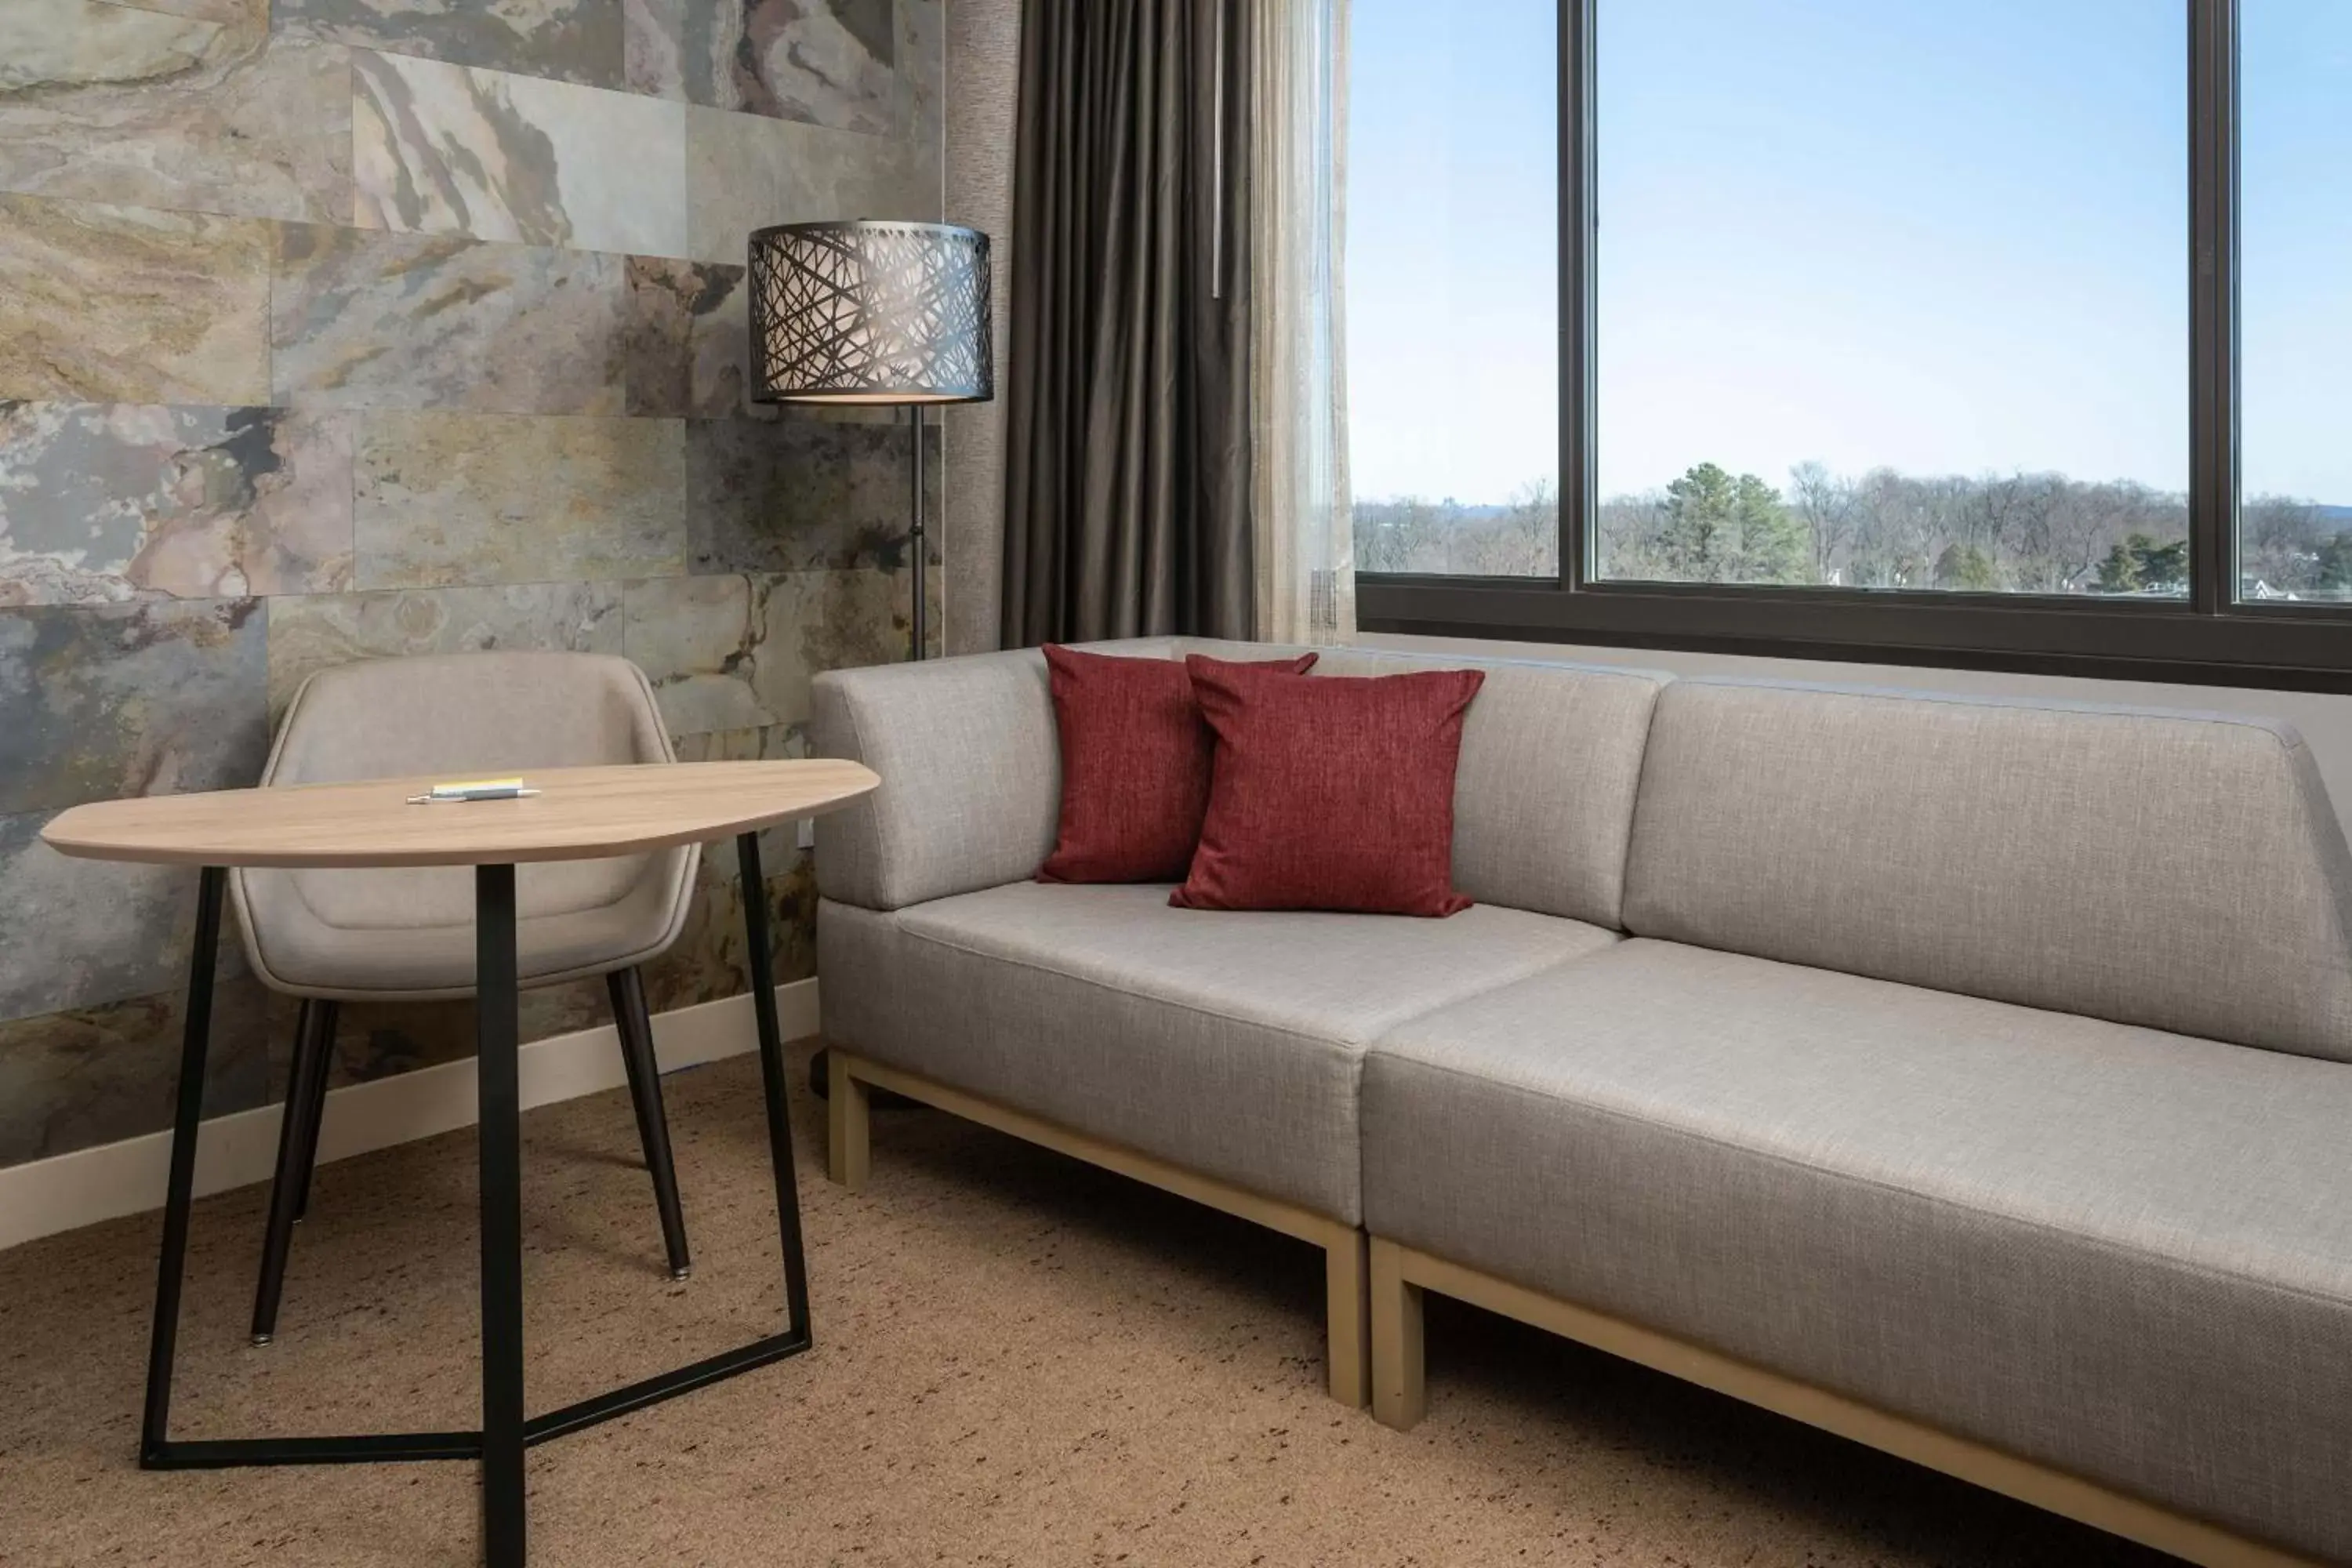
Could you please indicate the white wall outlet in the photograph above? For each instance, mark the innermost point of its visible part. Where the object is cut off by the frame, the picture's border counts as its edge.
(808, 832)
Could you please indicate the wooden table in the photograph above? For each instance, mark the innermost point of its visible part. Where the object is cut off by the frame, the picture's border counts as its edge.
(581, 814)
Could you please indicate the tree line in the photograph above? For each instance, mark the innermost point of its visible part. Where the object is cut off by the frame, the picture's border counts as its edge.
(2028, 533)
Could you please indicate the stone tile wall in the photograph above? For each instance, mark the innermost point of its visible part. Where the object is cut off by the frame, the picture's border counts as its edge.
(339, 329)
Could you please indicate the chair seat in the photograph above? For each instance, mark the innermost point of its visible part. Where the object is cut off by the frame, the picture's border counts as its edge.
(1228, 1042)
(2114, 1251)
(408, 935)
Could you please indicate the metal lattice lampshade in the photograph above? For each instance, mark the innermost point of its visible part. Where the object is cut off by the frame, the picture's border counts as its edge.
(870, 312)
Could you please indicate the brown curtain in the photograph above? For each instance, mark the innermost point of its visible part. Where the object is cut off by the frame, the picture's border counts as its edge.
(1127, 438)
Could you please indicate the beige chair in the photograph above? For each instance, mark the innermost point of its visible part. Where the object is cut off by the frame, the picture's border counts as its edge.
(331, 937)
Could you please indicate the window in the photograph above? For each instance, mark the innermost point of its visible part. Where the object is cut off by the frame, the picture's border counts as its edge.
(2007, 336)
(2295, 536)
(1454, 287)
(1893, 295)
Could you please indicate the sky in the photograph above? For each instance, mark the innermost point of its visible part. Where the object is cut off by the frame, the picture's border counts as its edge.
(1942, 238)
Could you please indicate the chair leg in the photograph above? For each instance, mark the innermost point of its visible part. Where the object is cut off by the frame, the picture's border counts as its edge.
(297, 1146)
(627, 990)
(330, 1012)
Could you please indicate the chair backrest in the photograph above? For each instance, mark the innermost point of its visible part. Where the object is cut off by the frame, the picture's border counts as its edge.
(2181, 870)
(467, 712)
(458, 716)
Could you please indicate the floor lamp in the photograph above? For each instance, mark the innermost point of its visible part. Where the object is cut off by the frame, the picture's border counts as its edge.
(878, 314)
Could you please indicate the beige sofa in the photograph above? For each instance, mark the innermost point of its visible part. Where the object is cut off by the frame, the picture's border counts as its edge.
(1970, 1078)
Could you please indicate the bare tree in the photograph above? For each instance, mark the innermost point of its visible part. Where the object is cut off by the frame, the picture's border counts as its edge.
(1825, 504)
(2025, 532)
(2280, 540)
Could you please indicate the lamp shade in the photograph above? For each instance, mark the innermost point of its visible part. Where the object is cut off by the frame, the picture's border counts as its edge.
(870, 312)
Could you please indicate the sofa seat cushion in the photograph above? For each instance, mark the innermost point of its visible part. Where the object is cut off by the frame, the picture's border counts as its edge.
(2119, 1251)
(1228, 1042)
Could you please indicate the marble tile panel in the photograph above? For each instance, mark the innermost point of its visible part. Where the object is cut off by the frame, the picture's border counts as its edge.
(107, 103)
(737, 652)
(745, 172)
(760, 744)
(110, 501)
(834, 63)
(451, 499)
(705, 643)
(711, 959)
(361, 318)
(445, 149)
(95, 1075)
(923, 55)
(100, 701)
(562, 40)
(317, 632)
(72, 43)
(653, 35)
(110, 304)
(866, 617)
(690, 340)
(803, 494)
(204, 10)
(80, 933)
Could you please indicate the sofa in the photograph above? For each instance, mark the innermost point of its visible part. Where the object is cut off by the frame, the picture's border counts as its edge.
(1971, 1077)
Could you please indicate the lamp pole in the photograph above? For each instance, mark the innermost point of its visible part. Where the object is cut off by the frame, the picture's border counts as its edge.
(922, 550)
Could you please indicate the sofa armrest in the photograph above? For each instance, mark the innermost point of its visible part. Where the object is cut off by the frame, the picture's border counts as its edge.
(972, 778)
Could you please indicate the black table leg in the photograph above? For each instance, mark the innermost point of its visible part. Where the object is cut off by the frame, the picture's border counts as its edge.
(773, 1081)
(496, 1035)
(506, 1432)
(195, 1042)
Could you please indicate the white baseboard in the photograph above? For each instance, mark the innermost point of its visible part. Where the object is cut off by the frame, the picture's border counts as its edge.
(42, 1197)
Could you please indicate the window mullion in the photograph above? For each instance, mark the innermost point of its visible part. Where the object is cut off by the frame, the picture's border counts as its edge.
(1578, 485)
(2213, 486)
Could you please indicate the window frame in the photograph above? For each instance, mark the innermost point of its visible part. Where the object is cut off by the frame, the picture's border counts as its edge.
(2210, 638)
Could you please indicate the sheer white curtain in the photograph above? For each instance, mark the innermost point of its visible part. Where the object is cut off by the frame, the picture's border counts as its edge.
(1304, 539)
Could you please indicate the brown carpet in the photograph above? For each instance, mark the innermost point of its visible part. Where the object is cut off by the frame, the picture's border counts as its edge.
(1020, 1360)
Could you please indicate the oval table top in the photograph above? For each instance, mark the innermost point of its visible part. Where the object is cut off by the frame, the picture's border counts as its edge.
(580, 814)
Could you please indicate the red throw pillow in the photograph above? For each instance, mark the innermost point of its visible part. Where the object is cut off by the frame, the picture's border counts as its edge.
(1135, 766)
(1334, 793)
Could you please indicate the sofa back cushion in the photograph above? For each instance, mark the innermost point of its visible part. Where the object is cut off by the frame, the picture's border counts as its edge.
(971, 767)
(2180, 870)
(1543, 795)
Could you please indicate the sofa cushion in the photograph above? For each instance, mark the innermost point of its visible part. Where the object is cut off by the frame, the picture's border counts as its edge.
(971, 774)
(1543, 795)
(1226, 1043)
(1137, 758)
(2180, 870)
(2121, 1252)
(1329, 795)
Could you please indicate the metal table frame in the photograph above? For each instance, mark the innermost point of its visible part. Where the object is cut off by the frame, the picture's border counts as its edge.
(505, 1431)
